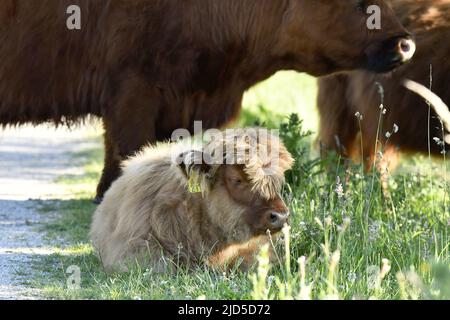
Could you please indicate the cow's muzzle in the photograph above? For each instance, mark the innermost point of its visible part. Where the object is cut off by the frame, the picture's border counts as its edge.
(390, 54)
(277, 220)
(406, 49)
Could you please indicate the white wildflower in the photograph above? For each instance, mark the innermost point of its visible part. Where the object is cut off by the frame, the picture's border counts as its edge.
(380, 155)
(396, 128)
(359, 116)
(374, 229)
(352, 277)
(339, 188)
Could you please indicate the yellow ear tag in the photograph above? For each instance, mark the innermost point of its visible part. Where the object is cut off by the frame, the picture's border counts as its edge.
(194, 185)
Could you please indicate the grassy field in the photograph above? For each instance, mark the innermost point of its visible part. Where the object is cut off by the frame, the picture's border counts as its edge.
(346, 240)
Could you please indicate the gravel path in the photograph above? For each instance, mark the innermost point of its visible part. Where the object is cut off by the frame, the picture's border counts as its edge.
(30, 161)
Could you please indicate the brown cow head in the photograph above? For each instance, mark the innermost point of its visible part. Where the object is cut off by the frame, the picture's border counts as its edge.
(326, 36)
(242, 199)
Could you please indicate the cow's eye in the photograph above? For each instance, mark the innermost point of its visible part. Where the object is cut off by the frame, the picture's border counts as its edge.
(237, 181)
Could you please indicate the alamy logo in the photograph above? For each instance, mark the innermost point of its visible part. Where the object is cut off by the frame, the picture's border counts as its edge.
(374, 20)
(74, 279)
(229, 147)
(73, 22)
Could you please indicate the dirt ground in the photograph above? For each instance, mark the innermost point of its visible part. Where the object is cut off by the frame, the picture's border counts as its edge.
(31, 158)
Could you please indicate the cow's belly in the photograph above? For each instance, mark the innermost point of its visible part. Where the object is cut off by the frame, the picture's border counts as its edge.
(198, 111)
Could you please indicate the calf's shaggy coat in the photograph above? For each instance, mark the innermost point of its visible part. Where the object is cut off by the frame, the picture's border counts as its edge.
(342, 96)
(150, 214)
(148, 67)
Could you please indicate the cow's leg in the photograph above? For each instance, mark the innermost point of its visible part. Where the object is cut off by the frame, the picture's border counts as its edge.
(111, 168)
(129, 125)
(386, 166)
(338, 126)
(385, 159)
(242, 256)
(121, 143)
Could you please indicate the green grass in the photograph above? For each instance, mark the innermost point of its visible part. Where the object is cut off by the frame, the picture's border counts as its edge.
(346, 240)
(285, 93)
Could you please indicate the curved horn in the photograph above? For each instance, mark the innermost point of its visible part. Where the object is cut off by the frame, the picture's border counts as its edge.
(436, 102)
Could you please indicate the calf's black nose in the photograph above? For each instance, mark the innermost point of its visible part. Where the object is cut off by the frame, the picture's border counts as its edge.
(278, 220)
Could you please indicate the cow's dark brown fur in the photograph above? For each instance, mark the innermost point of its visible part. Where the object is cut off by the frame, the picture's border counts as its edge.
(148, 67)
(342, 96)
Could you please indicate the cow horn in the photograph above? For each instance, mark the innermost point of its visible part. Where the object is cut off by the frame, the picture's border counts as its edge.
(435, 101)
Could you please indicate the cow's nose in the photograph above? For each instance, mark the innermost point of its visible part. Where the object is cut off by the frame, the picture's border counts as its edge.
(278, 220)
(406, 48)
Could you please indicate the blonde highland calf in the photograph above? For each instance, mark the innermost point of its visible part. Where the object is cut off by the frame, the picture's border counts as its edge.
(164, 213)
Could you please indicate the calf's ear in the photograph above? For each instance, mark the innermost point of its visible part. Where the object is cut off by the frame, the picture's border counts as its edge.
(194, 165)
(193, 161)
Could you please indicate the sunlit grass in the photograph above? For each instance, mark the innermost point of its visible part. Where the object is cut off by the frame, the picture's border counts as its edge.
(285, 93)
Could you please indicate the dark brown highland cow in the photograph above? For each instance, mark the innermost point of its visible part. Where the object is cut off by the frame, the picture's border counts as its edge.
(342, 96)
(148, 67)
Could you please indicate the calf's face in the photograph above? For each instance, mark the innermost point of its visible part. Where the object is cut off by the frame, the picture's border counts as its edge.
(251, 209)
(241, 190)
(327, 36)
